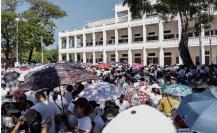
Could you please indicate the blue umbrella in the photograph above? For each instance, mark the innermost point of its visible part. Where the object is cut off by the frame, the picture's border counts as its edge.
(199, 112)
(178, 90)
(11, 76)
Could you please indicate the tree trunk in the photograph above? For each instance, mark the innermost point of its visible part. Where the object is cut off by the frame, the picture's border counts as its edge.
(183, 45)
(7, 51)
(30, 55)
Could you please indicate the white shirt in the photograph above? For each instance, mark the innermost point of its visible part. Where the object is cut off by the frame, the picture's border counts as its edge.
(155, 99)
(84, 124)
(4, 92)
(122, 106)
(99, 124)
(61, 103)
(47, 109)
(68, 96)
(71, 107)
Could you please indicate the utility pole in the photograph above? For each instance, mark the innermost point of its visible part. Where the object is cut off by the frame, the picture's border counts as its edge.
(42, 50)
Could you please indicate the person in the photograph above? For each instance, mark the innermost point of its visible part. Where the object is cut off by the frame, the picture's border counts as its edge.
(83, 110)
(46, 109)
(4, 91)
(155, 96)
(168, 103)
(97, 121)
(123, 104)
(68, 93)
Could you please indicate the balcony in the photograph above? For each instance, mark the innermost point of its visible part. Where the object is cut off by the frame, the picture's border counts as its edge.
(121, 41)
(100, 43)
(138, 39)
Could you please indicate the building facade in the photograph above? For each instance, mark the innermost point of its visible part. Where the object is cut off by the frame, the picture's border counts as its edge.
(146, 40)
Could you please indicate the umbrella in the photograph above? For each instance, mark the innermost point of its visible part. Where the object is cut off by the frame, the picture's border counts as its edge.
(140, 119)
(104, 66)
(137, 96)
(55, 76)
(11, 76)
(138, 66)
(178, 90)
(198, 111)
(101, 92)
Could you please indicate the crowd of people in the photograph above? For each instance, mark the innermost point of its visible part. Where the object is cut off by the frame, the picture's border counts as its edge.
(64, 110)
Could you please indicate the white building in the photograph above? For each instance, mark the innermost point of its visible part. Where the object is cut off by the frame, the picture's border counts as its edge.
(144, 40)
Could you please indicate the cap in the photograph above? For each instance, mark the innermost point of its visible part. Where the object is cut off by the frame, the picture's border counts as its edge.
(94, 104)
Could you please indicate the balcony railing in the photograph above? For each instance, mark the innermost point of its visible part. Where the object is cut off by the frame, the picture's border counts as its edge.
(152, 38)
(123, 19)
(111, 42)
(123, 41)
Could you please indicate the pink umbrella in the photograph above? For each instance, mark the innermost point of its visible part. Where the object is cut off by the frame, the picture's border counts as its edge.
(138, 66)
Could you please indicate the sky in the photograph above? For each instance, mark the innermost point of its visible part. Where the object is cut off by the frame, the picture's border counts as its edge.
(79, 12)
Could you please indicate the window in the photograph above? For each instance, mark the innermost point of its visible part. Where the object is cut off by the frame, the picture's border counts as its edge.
(113, 55)
(177, 60)
(124, 55)
(167, 54)
(169, 36)
(124, 36)
(149, 38)
(137, 34)
(64, 57)
(206, 52)
(138, 39)
(137, 54)
(63, 42)
(112, 37)
(151, 33)
(167, 31)
(151, 54)
(71, 42)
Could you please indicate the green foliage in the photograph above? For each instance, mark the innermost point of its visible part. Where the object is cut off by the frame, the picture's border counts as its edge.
(49, 56)
(39, 23)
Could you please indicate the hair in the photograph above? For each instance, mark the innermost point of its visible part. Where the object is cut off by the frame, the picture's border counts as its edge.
(35, 126)
(40, 94)
(84, 105)
(69, 88)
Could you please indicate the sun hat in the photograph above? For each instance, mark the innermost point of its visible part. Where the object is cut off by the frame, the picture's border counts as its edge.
(155, 86)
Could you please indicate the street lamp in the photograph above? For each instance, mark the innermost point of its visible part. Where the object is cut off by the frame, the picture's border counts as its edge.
(17, 51)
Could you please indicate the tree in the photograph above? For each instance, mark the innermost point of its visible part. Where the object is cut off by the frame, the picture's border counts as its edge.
(188, 10)
(40, 22)
(39, 16)
(49, 56)
(8, 27)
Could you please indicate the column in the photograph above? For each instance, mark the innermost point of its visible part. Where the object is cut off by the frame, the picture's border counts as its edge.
(144, 30)
(67, 42)
(94, 39)
(84, 57)
(161, 56)
(104, 36)
(67, 56)
(76, 42)
(161, 33)
(116, 16)
(129, 15)
(130, 57)
(202, 46)
(84, 38)
(60, 42)
(76, 59)
(180, 60)
(179, 27)
(144, 57)
(104, 56)
(116, 36)
(94, 58)
(60, 56)
(116, 56)
(129, 35)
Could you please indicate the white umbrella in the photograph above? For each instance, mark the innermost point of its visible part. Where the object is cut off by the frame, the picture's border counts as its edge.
(100, 92)
(140, 119)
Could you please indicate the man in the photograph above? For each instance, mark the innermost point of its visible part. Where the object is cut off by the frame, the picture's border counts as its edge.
(46, 109)
(4, 91)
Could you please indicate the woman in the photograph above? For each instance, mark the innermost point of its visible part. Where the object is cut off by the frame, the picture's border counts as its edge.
(82, 110)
